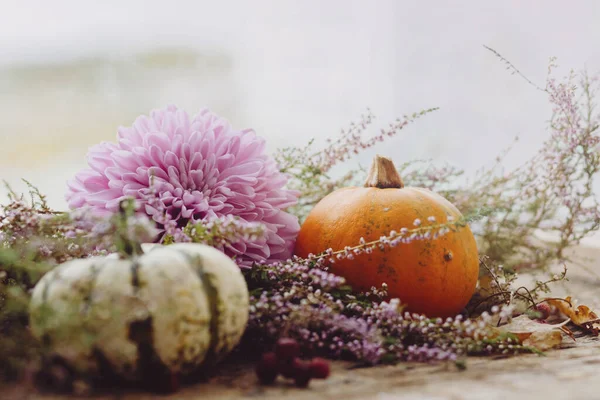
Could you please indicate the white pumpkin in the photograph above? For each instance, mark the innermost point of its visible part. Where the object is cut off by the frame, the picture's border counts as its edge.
(176, 307)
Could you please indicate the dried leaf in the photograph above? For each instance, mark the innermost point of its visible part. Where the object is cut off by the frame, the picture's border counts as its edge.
(534, 334)
(544, 340)
(581, 316)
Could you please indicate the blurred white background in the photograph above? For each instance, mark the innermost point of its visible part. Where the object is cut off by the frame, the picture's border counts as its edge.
(72, 71)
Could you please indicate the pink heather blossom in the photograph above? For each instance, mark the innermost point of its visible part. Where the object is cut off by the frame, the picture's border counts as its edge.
(199, 169)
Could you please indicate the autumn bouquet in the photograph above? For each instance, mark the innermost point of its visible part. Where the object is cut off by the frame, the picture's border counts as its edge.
(404, 263)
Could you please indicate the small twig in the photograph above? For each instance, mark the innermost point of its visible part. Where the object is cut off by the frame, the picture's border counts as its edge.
(568, 332)
(493, 275)
(514, 69)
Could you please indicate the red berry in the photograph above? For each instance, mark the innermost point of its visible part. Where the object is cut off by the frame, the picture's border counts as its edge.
(267, 368)
(319, 368)
(287, 369)
(302, 373)
(286, 349)
(544, 310)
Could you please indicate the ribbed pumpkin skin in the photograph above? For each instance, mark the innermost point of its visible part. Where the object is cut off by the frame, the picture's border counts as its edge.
(420, 273)
(174, 308)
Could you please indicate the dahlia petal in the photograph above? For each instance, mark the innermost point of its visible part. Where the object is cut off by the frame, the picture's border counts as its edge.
(84, 174)
(75, 201)
(127, 144)
(203, 206)
(99, 164)
(196, 161)
(267, 209)
(169, 124)
(186, 213)
(173, 176)
(282, 200)
(74, 185)
(234, 146)
(133, 177)
(183, 122)
(100, 197)
(225, 161)
(124, 133)
(188, 198)
(114, 173)
(206, 144)
(260, 184)
(116, 185)
(198, 178)
(216, 205)
(171, 159)
(99, 156)
(287, 222)
(227, 208)
(242, 179)
(251, 150)
(250, 217)
(132, 189)
(225, 191)
(150, 210)
(113, 205)
(245, 191)
(158, 172)
(248, 168)
(186, 151)
(160, 139)
(208, 165)
(142, 124)
(177, 142)
(157, 156)
(125, 159)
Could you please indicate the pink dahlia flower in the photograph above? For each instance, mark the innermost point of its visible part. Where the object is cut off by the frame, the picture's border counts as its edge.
(200, 169)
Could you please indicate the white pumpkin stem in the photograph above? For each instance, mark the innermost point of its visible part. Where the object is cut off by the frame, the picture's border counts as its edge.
(383, 174)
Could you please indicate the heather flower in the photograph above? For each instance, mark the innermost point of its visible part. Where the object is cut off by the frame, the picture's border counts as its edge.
(199, 169)
(302, 301)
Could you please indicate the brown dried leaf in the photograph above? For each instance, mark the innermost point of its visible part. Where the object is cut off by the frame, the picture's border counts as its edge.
(581, 316)
(534, 334)
(544, 340)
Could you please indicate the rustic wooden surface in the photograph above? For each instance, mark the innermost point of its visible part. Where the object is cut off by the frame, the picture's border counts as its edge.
(572, 372)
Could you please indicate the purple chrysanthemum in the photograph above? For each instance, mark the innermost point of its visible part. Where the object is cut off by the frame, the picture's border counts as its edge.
(200, 169)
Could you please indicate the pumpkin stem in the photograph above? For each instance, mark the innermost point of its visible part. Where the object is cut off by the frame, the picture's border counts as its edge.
(383, 174)
(126, 246)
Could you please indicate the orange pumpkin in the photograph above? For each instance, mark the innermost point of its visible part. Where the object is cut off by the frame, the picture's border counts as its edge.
(436, 277)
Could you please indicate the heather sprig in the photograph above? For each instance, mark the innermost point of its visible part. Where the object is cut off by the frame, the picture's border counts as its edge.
(313, 306)
(552, 193)
(308, 168)
(39, 233)
(403, 236)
